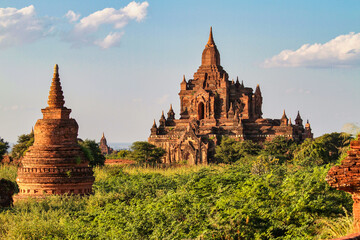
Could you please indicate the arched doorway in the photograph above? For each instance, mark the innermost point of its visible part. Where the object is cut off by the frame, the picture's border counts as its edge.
(201, 111)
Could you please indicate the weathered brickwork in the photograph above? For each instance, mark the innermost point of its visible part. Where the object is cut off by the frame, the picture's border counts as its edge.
(213, 106)
(55, 164)
(346, 177)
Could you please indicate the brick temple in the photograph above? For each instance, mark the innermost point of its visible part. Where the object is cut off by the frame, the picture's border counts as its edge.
(212, 106)
(55, 164)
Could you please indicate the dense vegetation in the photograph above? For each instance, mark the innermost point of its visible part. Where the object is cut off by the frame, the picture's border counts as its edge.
(265, 193)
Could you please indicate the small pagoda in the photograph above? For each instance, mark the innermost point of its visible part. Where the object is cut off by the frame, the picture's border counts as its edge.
(55, 164)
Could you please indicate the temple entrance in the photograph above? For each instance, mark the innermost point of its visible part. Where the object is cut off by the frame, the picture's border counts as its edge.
(201, 111)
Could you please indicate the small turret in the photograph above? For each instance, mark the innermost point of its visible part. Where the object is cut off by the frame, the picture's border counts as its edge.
(298, 120)
(154, 129)
(308, 133)
(171, 114)
(257, 90)
(237, 84)
(162, 120)
(183, 84)
(284, 120)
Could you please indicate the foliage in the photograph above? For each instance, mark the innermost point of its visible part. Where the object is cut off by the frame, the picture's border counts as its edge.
(121, 154)
(258, 197)
(3, 147)
(230, 150)
(279, 147)
(23, 143)
(322, 150)
(144, 152)
(92, 152)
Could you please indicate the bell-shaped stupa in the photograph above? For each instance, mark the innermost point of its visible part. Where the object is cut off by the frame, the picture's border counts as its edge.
(55, 164)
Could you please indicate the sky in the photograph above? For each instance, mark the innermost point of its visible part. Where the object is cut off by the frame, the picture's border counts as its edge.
(121, 62)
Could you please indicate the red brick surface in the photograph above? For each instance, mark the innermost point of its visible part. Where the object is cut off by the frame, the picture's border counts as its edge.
(55, 164)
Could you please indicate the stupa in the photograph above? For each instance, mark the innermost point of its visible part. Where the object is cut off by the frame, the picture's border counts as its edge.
(55, 164)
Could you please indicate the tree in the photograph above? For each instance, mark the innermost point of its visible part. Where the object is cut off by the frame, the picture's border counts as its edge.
(4, 146)
(280, 147)
(230, 150)
(145, 152)
(322, 150)
(23, 143)
(92, 152)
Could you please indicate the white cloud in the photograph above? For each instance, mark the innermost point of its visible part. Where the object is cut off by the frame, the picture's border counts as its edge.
(72, 16)
(111, 40)
(18, 26)
(85, 31)
(342, 51)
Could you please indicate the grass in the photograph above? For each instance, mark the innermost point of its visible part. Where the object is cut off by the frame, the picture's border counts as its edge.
(336, 227)
(8, 172)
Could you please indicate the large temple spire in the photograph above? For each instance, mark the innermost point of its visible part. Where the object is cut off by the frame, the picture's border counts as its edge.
(210, 55)
(211, 39)
(56, 98)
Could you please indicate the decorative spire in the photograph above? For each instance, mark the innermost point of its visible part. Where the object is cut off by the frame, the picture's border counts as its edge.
(242, 83)
(298, 115)
(32, 130)
(154, 125)
(162, 120)
(171, 113)
(56, 98)
(258, 91)
(284, 115)
(103, 135)
(211, 39)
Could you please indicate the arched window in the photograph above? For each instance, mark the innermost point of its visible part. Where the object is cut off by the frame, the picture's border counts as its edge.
(201, 111)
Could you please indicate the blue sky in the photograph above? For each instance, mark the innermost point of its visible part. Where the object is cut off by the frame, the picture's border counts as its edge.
(121, 66)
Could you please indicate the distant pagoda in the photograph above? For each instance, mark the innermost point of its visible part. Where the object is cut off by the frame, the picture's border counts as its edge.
(55, 164)
(104, 148)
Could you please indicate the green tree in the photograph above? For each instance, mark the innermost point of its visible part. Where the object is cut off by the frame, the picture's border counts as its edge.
(230, 150)
(322, 150)
(280, 147)
(23, 143)
(4, 146)
(145, 152)
(92, 152)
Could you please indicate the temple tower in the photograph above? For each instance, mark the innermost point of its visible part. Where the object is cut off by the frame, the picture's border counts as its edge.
(55, 164)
